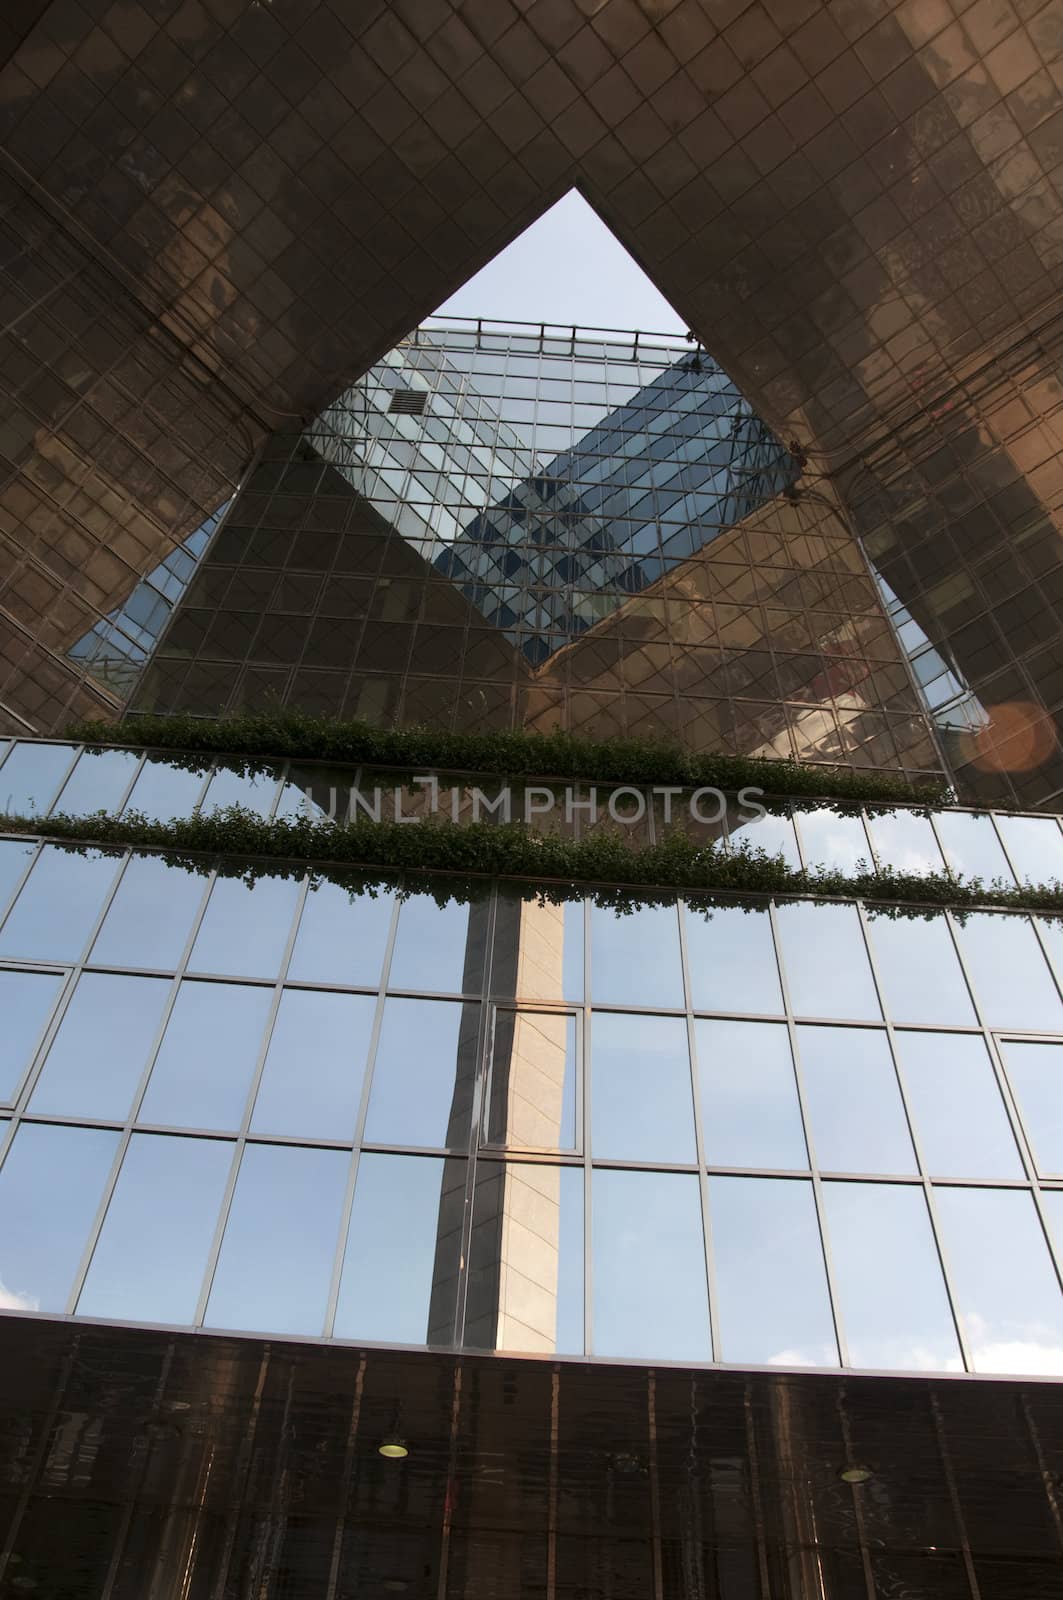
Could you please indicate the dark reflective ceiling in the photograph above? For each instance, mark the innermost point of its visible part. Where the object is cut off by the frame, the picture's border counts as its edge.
(138, 1463)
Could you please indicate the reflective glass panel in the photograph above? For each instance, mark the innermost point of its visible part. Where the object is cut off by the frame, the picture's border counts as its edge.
(245, 929)
(537, 952)
(905, 842)
(750, 1114)
(648, 1268)
(635, 959)
(425, 1074)
(312, 1081)
(855, 1113)
(280, 1240)
(342, 937)
(1035, 846)
(26, 1001)
(1011, 979)
(207, 1058)
(15, 857)
(921, 977)
(98, 782)
(149, 1262)
(834, 839)
(439, 948)
(400, 1271)
(971, 846)
(771, 1285)
(102, 1046)
(55, 911)
(731, 960)
(774, 835)
(532, 1095)
(891, 1295)
(149, 921)
(30, 777)
(50, 1189)
(641, 1100)
(525, 1289)
(253, 791)
(825, 961)
(163, 791)
(1035, 1072)
(958, 1114)
(1007, 1293)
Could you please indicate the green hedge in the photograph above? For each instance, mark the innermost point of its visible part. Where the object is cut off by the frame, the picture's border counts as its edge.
(364, 855)
(268, 738)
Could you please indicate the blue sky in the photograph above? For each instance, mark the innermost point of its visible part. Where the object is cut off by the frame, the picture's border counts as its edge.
(566, 268)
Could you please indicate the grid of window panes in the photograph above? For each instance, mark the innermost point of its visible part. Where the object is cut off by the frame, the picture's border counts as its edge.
(794, 1133)
(542, 473)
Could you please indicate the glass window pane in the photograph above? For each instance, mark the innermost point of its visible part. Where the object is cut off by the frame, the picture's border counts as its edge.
(163, 791)
(253, 791)
(960, 1123)
(312, 1081)
(94, 1065)
(641, 1098)
(891, 1295)
(1011, 980)
(771, 1285)
(245, 929)
(1035, 845)
(532, 1097)
(537, 952)
(750, 1114)
(152, 1253)
(731, 960)
(26, 1001)
(855, 1112)
(207, 1058)
(439, 948)
(50, 1189)
(774, 835)
(276, 1258)
(342, 936)
(58, 905)
(98, 781)
(31, 775)
(648, 1274)
(1007, 1293)
(905, 842)
(825, 961)
(1035, 1072)
(400, 1271)
(921, 977)
(971, 846)
(151, 916)
(834, 839)
(525, 1288)
(425, 1074)
(15, 857)
(635, 959)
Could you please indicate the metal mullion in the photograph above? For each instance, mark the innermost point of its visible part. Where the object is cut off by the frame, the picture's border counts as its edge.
(1038, 933)
(128, 1123)
(37, 844)
(585, 1087)
(992, 815)
(475, 1120)
(64, 780)
(368, 1072)
(802, 859)
(128, 790)
(810, 1149)
(240, 1142)
(924, 1174)
(949, 869)
(873, 855)
(699, 1141)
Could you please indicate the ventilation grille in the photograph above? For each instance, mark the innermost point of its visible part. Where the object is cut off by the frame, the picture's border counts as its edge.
(408, 402)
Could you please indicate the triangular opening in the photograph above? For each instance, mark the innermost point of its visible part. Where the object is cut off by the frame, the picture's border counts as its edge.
(567, 269)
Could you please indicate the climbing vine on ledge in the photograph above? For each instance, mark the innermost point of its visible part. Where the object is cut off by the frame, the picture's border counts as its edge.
(459, 862)
(261, 740)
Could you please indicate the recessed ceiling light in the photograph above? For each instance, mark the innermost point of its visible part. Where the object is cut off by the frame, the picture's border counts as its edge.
(393, 1449)
(855, 1474)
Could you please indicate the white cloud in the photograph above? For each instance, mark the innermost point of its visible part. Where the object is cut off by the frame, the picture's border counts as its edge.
(12, 1301)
